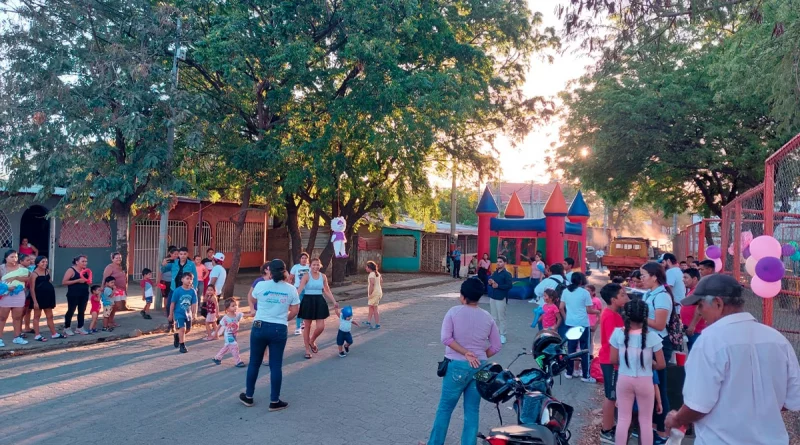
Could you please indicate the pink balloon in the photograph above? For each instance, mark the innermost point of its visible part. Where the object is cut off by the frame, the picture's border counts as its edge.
(717, 265)
(764, 289)
(765, 246)
(750, 265)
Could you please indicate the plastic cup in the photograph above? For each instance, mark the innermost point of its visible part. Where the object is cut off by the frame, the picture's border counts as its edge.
(680, 358)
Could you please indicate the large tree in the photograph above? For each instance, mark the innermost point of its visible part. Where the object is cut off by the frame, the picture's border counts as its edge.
(86, 105)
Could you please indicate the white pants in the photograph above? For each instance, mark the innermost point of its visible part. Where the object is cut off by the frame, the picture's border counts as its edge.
(498, 309)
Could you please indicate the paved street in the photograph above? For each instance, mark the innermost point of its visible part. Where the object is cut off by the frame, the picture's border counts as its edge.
(141, 390)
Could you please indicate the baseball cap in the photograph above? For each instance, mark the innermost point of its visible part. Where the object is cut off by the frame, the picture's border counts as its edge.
(716, 285)
(219, 256)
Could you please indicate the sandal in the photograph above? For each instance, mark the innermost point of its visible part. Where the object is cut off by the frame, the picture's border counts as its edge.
(314, 348)
(40, 338)
(57, 335)
(307, 356)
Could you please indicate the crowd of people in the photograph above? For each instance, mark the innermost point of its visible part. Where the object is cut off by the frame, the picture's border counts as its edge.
(736, 368)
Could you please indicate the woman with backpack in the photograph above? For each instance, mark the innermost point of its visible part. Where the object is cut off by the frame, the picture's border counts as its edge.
(662, 319)
(576, 305)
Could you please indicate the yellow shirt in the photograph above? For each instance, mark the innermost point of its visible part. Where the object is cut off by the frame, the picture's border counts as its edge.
(377, 292)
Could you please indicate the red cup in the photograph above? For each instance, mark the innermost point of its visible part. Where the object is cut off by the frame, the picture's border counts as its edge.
(680, 358)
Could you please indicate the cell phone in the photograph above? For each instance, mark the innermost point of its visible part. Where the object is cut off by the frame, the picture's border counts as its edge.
(257, 324)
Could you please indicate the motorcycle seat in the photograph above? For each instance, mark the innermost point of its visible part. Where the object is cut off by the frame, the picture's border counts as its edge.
(530, 434)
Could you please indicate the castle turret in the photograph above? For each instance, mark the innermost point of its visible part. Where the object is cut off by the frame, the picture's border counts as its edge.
(579, 213)
(555, 212)
(487, 209)
(514, 208)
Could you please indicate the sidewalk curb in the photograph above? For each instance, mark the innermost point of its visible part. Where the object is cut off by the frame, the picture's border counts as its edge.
(74, 344)
(354, 295)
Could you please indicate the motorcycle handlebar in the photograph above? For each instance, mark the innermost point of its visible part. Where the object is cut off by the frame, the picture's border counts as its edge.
(577, 354)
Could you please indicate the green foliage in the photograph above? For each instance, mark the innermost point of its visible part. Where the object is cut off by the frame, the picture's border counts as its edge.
(466, 203)
(97, 80)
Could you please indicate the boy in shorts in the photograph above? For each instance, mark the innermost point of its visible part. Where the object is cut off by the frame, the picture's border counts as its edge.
(147, 292)
(615, 298)
(344, 339)
(182, 308)
(109, 309)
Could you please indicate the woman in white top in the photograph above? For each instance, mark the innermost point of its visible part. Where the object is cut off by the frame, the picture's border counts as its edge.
(314, 308)
(576, 305)
(556, 278)
(277, 304)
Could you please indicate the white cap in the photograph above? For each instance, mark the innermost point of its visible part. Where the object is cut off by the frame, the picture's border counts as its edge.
(219, 256)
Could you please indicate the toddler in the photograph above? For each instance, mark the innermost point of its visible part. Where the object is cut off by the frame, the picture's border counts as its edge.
(229, 327)
(638, 347)
(211, 314)
(109, 309)
(344, 339)
(94, 299)
(147, 292)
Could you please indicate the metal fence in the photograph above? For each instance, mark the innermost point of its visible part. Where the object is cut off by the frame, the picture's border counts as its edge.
(145, 251)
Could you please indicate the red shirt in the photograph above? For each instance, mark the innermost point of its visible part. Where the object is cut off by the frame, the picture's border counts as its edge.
(687, 313)
(609, 320)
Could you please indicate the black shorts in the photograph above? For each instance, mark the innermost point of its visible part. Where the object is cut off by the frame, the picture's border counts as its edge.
(343, 337)
(609, 381)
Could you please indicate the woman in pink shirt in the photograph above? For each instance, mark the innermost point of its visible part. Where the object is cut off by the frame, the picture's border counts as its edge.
(470, 336)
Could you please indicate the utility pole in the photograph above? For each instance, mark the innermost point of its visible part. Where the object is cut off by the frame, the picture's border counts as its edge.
(164, 222)
(453, 204)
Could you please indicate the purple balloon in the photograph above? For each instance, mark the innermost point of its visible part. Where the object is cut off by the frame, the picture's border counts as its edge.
(770, 269)
(787, 250)
(746, 252)
(713, 252)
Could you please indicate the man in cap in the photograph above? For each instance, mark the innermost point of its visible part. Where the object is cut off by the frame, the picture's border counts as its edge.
(740, 374)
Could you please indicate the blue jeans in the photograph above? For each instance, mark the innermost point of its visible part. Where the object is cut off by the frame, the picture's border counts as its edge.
(581, 343)
(658, 419)
(299, 321)
(272, 336)
(456, 382)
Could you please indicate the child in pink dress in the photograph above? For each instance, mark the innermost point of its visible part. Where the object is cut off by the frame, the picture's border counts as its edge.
(551, 317)
(229, 327)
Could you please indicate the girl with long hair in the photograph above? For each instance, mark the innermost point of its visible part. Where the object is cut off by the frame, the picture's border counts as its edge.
(374, 294)
(576, 305)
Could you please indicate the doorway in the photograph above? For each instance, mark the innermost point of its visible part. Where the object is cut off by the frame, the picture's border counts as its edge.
(35, 226)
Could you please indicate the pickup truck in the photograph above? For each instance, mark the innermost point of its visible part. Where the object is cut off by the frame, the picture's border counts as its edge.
(626, 255)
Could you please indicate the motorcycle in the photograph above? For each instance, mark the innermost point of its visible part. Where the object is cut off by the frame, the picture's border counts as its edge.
(541, 418)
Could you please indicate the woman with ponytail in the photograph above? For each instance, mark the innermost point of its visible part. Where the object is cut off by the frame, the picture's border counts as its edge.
(638, 346)
(577, 303)
(660, 302)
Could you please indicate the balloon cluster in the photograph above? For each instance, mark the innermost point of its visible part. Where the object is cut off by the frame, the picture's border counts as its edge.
(3, 288)
(715, 253)
(765, 266)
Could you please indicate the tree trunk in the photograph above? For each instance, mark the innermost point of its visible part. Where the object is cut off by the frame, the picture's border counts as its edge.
(339, 264)
(709, 236)
(122, 214)
(293, 225)
(312, 236)
(230, 282)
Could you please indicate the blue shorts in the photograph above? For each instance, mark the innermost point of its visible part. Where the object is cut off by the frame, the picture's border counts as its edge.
(183, 323)
(148, 300)
(343, 337)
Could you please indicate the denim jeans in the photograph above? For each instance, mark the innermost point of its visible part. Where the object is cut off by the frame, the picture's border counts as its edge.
(456, 382)
(299, 321)
(574, 345)
(658, 419)
(272, 336)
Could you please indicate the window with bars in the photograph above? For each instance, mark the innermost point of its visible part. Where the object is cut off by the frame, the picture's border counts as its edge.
(6, 235)
(252, 236)
(84, 234)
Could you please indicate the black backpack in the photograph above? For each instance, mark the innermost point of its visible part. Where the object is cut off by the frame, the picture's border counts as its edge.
(561, 286)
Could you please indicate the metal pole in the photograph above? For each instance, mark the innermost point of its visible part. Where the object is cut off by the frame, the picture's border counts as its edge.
(164, 223)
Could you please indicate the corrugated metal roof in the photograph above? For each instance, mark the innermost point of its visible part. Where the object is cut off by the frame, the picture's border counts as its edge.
(441, 227)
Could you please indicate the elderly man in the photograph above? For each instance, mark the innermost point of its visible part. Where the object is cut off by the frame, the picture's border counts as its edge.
(740, 374)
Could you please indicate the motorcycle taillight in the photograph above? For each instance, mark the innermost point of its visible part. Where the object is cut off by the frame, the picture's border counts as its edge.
(497, 440)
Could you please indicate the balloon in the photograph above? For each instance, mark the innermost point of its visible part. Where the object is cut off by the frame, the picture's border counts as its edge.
(796, 255)
(770, 269)
(747, 238)
(3, 288)
(764, 289)
(746, 252)
(540, 266)
(717, 265)
(787, 250)
(765, 246)
(713, 252)
(750, 266)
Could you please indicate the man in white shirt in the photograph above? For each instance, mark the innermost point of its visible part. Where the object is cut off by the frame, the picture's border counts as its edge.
(298, 271)
(218, 273)
(569, 265)
(674, 277)
(740, 374)
(556, 277)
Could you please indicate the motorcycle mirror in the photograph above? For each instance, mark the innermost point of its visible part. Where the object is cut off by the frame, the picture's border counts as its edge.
(575, 333)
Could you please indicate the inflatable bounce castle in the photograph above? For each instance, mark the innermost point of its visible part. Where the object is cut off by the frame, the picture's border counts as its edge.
(520, 238)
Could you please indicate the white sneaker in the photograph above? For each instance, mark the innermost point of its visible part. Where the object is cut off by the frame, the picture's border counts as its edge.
(567, 376)
(82, 331)
(69, 332)
(298, 332)
(503, 339)
(589, 380)
(2, 345)
(532, 300)
(20, 341)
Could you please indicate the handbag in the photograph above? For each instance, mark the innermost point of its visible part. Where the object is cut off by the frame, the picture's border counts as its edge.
(442, 370)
